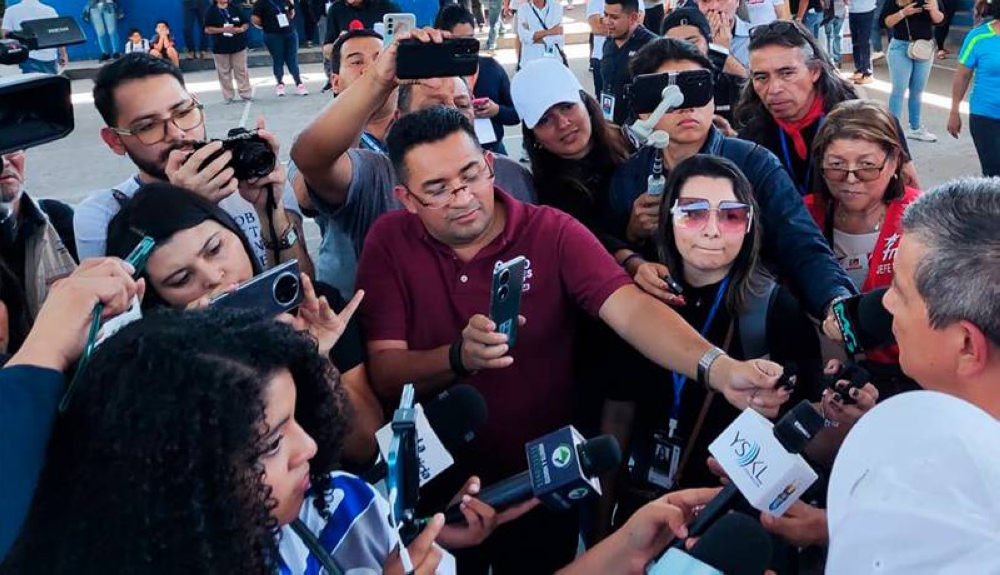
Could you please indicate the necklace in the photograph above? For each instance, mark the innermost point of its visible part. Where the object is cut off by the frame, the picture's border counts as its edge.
(843, 217)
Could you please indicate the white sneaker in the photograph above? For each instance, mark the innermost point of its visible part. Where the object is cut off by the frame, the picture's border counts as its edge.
(878, 55)
(921, 134)
(279, 89)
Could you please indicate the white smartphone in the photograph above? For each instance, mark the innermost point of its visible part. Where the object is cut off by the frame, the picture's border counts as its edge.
(395, 24)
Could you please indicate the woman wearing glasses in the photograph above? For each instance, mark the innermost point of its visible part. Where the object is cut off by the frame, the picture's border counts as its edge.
(860, 191)
(708, 235)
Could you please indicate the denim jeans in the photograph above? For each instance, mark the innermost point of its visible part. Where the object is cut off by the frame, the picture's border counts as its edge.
(45, 67)
(105, 23)
(496, 22)
(812, 21)
(906, 73)
(194, 14)
(284, 50)
(861, 48)
(877, 29)
(986, 137)
(834, 39)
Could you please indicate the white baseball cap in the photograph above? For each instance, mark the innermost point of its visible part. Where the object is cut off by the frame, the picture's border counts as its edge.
(541, 84)
(915, 490)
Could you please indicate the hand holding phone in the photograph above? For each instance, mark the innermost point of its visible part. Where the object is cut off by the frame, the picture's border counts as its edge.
(417, 59)
(505, 301)
(276, 291)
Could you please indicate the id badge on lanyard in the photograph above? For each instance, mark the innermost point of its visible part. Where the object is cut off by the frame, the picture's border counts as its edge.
(280, 16)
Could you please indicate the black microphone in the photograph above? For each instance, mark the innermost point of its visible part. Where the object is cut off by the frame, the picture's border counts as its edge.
(735, 545)
(455, 415)
(864, 322)
(793, 431)
(555, 476)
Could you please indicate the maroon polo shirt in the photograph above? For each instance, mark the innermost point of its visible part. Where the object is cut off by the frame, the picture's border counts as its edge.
(417, 290)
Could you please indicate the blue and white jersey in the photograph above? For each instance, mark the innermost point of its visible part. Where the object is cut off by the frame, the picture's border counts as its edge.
(358, 535)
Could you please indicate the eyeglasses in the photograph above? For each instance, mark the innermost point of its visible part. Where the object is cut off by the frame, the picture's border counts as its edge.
(694, 213)
(154, 131)
(442, 196)
(866, 173)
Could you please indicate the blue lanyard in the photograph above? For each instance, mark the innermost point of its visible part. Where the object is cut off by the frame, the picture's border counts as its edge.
(680, 380)
(370, 142)
(225, 14)
(804, 185)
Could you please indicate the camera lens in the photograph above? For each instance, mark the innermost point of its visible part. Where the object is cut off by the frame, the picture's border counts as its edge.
(503, 292)
(286, 289)
(504, 277)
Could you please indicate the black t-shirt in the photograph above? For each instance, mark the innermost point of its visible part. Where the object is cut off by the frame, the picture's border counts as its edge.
(340, 16)
(216, 17)
(921, 27)
(268, 10)
(791, 337)
(615, 72)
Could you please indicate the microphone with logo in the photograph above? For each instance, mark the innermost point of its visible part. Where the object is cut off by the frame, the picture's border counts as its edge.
(864, 322)
(763, 463)
(454, 417)
(736, 544)
(563, 468)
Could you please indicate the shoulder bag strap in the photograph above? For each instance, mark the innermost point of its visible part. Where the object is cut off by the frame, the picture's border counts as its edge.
(314, 547)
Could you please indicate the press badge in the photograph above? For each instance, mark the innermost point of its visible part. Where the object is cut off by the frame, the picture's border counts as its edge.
(664, 460)
(282, 20)
(608, 106)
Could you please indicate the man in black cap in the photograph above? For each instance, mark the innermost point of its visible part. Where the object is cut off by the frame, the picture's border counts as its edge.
(730, 76)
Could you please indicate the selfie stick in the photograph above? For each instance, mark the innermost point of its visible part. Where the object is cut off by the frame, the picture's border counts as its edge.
(672, 98)
(403, 480)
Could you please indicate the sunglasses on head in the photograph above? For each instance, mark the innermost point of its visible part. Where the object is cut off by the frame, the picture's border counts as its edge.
(776, 28)
(694, 213)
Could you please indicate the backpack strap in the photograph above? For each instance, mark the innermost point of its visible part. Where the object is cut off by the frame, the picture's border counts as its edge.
(753, 321)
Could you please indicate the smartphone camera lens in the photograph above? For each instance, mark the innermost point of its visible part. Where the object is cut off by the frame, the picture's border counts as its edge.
(503, 292)
(286, 289)
(504, 277)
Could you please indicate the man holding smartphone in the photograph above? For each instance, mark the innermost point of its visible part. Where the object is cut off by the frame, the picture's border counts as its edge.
(426, 319)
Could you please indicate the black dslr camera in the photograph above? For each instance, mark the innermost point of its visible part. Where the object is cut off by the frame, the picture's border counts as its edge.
(252, 155)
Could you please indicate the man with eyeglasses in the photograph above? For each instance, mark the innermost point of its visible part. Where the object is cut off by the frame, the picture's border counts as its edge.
(793, 86)
(153, 119)
(427, 272)
(792, 244)
(352, 187)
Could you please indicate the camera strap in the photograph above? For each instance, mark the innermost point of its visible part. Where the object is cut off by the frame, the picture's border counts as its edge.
(272, 206)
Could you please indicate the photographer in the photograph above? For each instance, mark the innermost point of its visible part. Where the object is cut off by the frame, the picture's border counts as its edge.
(36, 249)
(33, 380)
(152, 118)
(46, 61)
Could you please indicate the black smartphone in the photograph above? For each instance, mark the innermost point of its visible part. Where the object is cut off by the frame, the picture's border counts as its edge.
(275, 291)
(505, 297)
(855, 376)
(646, 90)
(416, 60)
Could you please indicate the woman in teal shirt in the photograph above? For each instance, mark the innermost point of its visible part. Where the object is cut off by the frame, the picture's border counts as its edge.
(980, 54)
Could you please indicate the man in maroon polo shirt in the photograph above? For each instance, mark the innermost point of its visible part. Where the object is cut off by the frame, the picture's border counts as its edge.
(427, 270)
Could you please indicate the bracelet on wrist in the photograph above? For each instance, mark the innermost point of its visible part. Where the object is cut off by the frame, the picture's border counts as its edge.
(629, 258)
(455, 360)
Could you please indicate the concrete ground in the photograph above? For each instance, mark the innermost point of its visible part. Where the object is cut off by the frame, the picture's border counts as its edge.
(72, 168)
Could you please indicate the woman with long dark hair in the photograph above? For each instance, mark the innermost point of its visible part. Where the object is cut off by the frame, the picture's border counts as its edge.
(709, 238)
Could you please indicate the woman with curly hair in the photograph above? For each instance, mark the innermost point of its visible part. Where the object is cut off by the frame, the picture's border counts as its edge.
(193, 442)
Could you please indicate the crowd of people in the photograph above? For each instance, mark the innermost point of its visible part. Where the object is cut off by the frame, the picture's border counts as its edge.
(679, 267)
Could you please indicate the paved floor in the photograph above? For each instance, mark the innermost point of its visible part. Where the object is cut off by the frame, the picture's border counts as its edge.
(73, 167)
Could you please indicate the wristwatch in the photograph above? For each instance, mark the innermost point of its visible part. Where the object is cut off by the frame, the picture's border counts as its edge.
(705, 363)
(287, 239)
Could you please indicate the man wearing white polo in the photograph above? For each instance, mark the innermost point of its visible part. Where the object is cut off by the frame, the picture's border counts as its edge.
(47, 60)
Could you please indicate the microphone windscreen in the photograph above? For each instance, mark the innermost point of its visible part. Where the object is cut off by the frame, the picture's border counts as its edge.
(874, 321)
(456, 415)
(600, 455)
(736, 544)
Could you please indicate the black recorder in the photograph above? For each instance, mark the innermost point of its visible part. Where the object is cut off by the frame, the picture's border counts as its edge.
(253, 157)
(276, 291)
(646, 90)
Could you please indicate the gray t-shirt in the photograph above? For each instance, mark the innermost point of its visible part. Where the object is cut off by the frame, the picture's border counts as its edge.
(368, 197)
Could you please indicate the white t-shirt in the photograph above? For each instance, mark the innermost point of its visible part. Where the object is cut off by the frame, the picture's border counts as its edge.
(31, 10)
(529, 21)
(761, 12)
(92, 216)
(596, 8)
(854, 251)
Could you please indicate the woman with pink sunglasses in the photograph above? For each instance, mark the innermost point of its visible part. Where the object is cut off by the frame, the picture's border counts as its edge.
(709, 239)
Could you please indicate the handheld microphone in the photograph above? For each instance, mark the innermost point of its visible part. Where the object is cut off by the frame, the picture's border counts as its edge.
(864, 322)
(562, 468)
(736, 544)
(672, 97)
(763, 463)
(455, 416)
